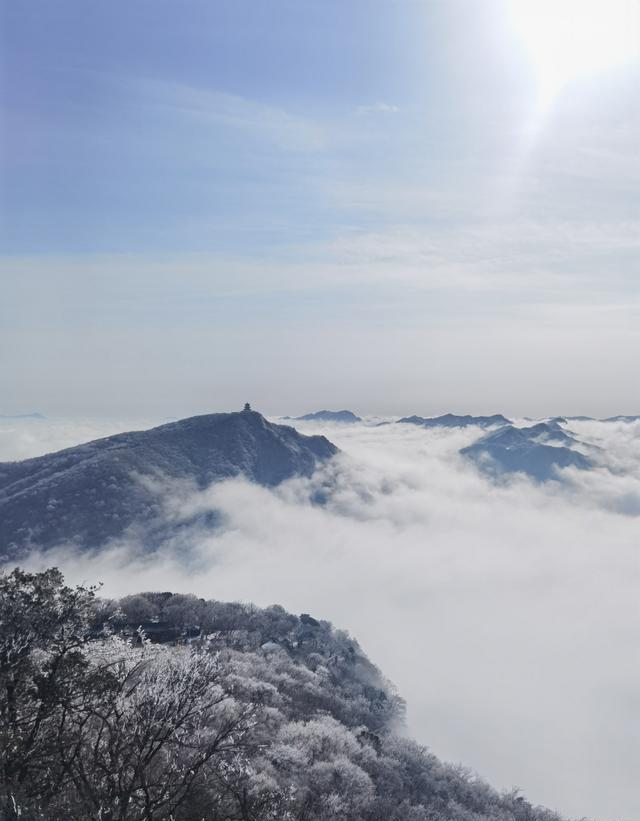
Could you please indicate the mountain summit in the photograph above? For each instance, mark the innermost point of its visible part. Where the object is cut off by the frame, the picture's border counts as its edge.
(540, 451)
(329, 416)
(92, 492)
(451, 420)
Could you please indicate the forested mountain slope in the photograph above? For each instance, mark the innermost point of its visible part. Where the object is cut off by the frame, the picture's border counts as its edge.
(266, 716)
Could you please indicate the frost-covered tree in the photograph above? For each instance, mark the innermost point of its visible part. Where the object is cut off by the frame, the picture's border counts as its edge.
(158, 722)
(319, 761)
(138, 609)
(268, 716)
(183, 610)
(100, 729)
(43, 678)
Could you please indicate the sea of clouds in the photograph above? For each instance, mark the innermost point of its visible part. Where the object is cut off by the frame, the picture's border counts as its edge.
(507, 615)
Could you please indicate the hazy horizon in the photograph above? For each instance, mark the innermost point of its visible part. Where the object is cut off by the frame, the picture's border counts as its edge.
(382, 204)
(391, 411)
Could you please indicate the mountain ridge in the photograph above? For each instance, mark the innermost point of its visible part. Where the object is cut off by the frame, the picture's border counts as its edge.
(451, 420)
(345, 416)
(89, 493)
(527, 450)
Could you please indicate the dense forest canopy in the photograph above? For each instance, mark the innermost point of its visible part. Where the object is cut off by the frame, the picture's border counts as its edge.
(232, 713)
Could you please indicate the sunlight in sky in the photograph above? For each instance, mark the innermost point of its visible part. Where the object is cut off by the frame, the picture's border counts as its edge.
(570, 38)
(407, 208)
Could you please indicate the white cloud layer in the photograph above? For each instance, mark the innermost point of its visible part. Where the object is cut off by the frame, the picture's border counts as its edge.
(26, 438)
(507, 616)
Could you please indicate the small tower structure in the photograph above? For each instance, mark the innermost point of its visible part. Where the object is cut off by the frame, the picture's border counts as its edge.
(247, 408)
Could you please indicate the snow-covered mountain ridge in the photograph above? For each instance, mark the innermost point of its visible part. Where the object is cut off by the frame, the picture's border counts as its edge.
(92, 492)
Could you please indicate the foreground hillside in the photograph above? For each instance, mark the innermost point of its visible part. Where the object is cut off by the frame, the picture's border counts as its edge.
(259, 716)
(93, 492)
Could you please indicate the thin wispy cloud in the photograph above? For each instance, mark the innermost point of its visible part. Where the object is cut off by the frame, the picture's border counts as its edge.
(211, 108)
(377, 108)
(338, 170)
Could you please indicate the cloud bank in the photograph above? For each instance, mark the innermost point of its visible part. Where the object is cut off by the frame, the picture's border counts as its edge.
(507, 615)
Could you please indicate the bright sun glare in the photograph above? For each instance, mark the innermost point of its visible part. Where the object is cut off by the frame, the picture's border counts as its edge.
(570, 38)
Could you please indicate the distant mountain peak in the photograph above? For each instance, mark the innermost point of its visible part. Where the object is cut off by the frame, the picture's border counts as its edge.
(451, 420)
(538, 451)
(329, 416)
(89, 493)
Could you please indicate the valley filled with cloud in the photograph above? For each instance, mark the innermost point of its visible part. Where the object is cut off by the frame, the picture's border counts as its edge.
(506, 612)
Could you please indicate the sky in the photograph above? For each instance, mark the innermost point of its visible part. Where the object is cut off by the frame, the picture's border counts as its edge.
(506, 614)
(393, 206)
(399, 206)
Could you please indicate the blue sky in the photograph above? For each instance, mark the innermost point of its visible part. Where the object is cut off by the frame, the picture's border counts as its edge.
(311, 203)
